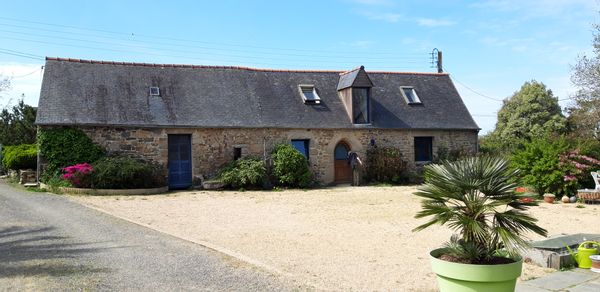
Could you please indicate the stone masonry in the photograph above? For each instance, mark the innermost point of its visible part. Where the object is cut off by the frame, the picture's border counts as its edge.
(212, 148)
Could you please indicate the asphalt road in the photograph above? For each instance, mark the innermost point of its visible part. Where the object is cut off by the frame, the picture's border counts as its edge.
(49, 243)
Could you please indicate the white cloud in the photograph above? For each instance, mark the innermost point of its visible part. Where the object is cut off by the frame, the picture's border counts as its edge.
(26, 79)
(430, 22)
(539, 8)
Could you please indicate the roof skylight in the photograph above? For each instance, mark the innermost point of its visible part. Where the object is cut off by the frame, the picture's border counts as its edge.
(410, 95)
(309, 93)
(154, 91)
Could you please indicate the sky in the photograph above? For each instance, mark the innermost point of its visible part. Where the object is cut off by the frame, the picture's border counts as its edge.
(490, 48)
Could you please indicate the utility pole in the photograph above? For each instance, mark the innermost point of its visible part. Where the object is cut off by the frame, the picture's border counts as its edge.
(436, 60)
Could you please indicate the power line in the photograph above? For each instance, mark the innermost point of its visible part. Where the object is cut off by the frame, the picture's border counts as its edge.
(18, 54)
(171, 44)
(30, 73)
(472, 90)
(177, 51)
(335, 52)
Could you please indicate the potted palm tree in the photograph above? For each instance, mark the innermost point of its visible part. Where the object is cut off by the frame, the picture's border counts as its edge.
(475, 197)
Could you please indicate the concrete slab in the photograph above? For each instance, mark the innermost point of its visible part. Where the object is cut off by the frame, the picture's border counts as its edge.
(586, 287)
(561, 280)
(528, 288)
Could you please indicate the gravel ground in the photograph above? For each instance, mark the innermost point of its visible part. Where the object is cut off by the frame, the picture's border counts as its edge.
(340, 238)
(49, 243)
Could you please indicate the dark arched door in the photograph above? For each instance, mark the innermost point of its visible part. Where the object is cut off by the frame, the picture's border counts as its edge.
(342, 170)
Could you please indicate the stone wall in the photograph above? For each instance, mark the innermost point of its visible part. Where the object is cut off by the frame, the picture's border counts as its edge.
(212, 148)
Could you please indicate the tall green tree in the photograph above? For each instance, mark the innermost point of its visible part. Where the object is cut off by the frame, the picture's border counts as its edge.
(584, 113)
(532, 112)
(17, 126)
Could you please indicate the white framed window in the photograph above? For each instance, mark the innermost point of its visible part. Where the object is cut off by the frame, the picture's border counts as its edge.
(410, 95)
(309, 93)
(154, 91)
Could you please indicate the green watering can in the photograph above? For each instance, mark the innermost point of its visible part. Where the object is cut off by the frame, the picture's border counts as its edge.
(584, 251)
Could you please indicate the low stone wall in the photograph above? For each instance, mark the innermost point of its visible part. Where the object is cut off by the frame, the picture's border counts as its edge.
(111, 192)
(27, 176)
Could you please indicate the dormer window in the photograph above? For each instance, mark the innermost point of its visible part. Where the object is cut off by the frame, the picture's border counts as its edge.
(360, 105)
(410, 95)
(154, 91)
(309, 94)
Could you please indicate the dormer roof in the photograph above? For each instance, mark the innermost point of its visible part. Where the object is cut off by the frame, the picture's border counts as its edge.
(354, 78)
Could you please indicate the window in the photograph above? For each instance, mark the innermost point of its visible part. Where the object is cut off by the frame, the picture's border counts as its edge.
(302, 146)
(237, 153)
(154, 91)
(309, 94)
(423, 148)
(360, 106)
(410, 95)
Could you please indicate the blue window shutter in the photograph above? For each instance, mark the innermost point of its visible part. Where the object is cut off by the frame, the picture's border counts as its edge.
(302, 146)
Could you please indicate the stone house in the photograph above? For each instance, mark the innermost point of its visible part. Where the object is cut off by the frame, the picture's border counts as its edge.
(193, 119)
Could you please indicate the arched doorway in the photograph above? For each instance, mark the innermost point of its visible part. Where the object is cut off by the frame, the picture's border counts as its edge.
(342, 170)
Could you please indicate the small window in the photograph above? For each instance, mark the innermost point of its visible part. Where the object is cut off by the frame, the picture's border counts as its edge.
(237, 153)
(309, 94)
(410, 95)
(154, 91)
(423, 149)
(302, 146)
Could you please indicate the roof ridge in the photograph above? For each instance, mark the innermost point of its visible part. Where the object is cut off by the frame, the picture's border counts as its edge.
(352, 70)
(227, 67)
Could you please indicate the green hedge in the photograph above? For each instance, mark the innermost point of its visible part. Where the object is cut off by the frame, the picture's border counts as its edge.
(245, 172)
(126, 173)
(22, 156)
(290, 167)
(386, 165)
(62, 147)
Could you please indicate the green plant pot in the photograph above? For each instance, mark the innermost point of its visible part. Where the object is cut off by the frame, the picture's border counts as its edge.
(474, 278)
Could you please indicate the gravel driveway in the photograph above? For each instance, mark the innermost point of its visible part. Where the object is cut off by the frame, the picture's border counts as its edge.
(49, 243)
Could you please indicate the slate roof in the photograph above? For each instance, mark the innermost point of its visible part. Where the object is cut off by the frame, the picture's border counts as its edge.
(100, 93)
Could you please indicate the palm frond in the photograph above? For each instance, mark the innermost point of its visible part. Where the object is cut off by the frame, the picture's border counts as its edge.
(476, 198)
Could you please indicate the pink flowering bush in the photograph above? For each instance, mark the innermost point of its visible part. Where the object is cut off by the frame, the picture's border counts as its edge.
(577, 169)
(79, 175)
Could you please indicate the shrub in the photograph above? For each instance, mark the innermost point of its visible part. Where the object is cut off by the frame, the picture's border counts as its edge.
(386, 165)
(540, 165)
(22, 156)
(243, 173)
(126, 173)
(577, 168)
(55, 183)
(79, 175)
(290, 167)
(451, 155)
(62, 147)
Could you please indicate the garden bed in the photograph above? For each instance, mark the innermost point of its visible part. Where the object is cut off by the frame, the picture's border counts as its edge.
(111, 192)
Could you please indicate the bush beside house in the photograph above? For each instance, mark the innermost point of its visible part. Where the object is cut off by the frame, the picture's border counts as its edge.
(248, 172)
(290, 167)
(19, 157)
(386, 165)
(62, 147)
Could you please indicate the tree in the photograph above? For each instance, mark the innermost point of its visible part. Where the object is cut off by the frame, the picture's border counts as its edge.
(532, 112)
(585, 112)
(17, 127)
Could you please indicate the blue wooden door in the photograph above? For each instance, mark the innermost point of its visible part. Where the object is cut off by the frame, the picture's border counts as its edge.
(180, 161)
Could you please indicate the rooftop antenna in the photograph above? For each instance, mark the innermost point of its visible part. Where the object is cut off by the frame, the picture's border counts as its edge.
(436, 60)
